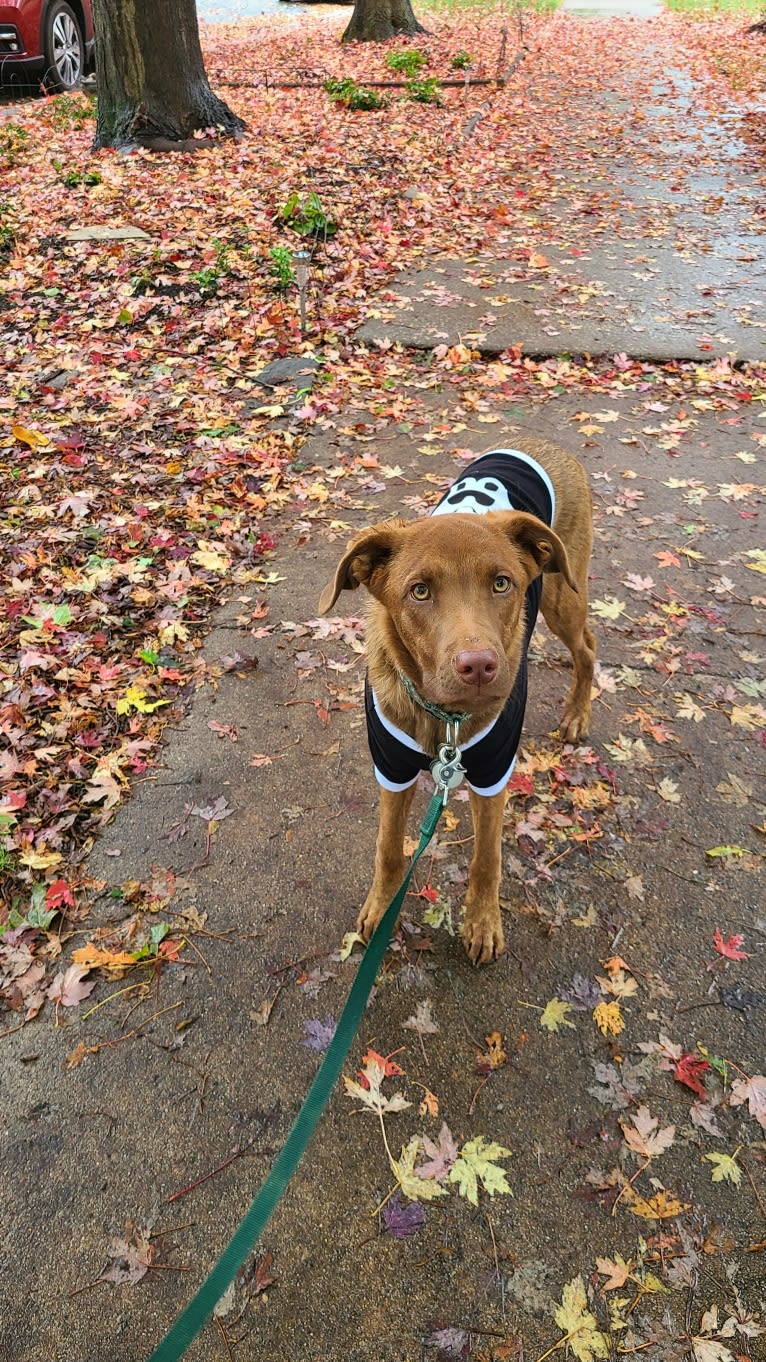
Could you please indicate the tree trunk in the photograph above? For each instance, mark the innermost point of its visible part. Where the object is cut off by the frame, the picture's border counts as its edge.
(374, 21)
(150, 76)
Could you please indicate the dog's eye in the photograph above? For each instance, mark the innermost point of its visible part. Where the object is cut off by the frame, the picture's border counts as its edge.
(420, 592)
(501, 584)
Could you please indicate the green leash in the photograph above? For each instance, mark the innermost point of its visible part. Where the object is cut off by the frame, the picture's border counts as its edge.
(189, 1323)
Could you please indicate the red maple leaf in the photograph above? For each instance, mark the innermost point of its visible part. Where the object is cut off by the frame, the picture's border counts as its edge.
(688, 1071)
(428, 892)
(59, 895)
(391, 1070)
(731, 946)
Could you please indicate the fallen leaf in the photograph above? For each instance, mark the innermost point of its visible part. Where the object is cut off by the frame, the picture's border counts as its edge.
(581, 1331)
(725, 1168)
(752, 1091)
(609, 1019)
(414, 1187)
(70, 987)
(401, 1221)
(617, 1272)
(645, 1137)
(475, 1165)
(371, 1096)
(730, 948)
(689, 1070)
(555, 1015)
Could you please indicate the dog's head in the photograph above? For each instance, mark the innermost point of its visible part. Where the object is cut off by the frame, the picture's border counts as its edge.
(449, 595)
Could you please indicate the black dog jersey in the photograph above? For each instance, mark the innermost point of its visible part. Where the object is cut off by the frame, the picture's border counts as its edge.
(502, 480)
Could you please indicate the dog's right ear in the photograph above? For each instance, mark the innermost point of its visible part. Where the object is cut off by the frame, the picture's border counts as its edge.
(363, 562)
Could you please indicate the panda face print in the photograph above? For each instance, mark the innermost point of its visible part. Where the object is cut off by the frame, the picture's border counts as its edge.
(474, 496)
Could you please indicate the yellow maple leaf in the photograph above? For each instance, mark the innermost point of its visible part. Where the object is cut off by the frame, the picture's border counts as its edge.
(556, 1014)
(662, 1206)
(135, 698)
(350, 940)
(760, 560)
(750, 717)
(609, 609)
(207, 556)
(609, 1019)
(580, 1326)
(495, 1055)
(414, 1187)
(33, 438)
(725, 1167)
(40, 860)
(94, 957)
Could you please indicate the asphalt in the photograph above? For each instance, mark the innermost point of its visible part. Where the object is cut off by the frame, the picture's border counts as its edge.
(111, 1113)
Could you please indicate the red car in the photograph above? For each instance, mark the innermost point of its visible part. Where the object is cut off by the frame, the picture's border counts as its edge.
(47, 42)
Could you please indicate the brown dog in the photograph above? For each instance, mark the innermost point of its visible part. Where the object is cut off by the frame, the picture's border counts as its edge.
(454, 598)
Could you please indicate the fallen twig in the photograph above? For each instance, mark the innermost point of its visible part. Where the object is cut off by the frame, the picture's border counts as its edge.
(176, 1196)
(368, 84)
(475, 119)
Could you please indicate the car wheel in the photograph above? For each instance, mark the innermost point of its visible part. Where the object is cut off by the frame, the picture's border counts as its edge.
(64, 48)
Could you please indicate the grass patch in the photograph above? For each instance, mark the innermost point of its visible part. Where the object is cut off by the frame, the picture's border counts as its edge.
(487, 7)
(715, 6)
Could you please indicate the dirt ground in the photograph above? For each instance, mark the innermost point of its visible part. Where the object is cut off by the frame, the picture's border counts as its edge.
(150, 1114)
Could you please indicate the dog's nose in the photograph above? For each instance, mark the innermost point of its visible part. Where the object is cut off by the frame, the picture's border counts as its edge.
(477, 667)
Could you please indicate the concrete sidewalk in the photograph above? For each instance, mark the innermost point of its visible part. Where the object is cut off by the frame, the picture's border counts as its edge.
(673, 267)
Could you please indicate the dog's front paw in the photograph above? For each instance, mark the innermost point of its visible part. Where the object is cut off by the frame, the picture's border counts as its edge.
(482, 935)
(370, 914)
(574, 725)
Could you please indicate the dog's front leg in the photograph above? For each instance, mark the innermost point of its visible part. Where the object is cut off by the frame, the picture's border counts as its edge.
(482, 930)
(389, 858)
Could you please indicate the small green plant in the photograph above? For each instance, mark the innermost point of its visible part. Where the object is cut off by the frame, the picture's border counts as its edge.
(424, 91)
(306, 216)
(13, 139)
(461, 60)
(409, 63)
(7, 233)
(72, 111)
(353, 96)
(281, 268)
(209, 278)
(74, 178)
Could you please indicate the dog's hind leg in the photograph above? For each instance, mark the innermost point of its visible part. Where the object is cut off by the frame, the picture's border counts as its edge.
(389, 858)
(566, 614)
(482, 930)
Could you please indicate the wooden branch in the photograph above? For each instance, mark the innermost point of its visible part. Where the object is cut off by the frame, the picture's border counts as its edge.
(476, 117)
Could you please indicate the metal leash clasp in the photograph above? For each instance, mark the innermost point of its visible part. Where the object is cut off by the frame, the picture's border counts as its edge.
(446, 768)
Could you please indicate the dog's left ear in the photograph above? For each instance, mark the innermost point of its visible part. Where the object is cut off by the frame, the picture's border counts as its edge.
(363, 562)
(540, 544)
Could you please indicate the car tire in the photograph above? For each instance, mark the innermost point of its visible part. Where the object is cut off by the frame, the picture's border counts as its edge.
(64, 48)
